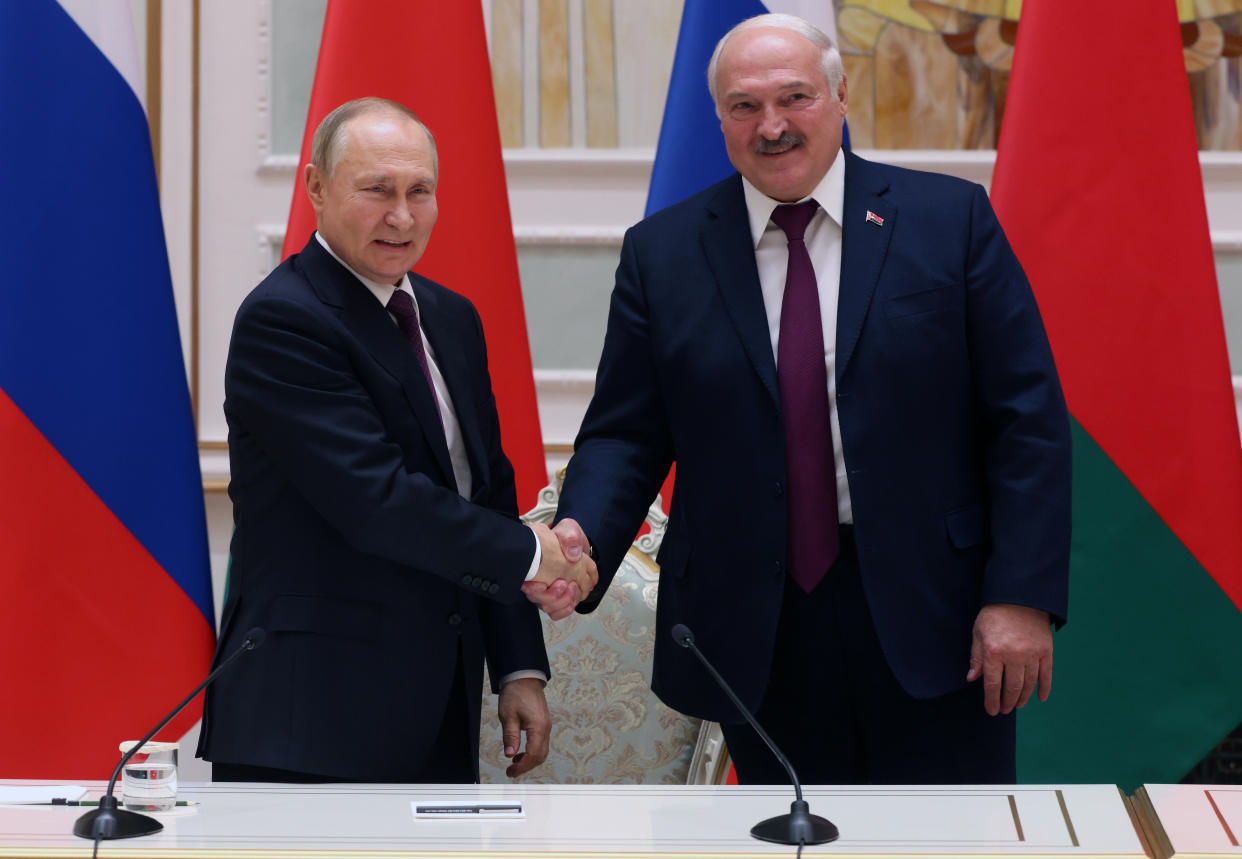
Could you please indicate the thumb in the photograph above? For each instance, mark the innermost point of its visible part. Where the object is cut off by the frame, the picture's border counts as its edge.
(976, 662)
(571, 538)
(511, 734)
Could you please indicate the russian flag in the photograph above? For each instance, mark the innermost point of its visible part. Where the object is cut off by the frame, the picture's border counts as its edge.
(105, 592)
(691, 151)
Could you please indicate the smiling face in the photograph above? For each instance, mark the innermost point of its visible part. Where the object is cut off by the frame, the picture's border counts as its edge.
(377, 205)
(781, 123)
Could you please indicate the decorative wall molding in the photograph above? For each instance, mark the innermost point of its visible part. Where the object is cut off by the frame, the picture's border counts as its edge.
(563, 398)
(1227, 241)
(263, 92)
(605, 191)
(279, 166)
(1237, 399)
(270, 237)
(560, 235)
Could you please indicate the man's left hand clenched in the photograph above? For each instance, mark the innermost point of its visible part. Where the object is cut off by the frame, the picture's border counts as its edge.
(1012, 652)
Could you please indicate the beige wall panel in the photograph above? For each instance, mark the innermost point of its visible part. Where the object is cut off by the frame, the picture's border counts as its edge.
(976, 129)
(915, 76)
(506, 45)
(554, 73)
(1213, 95)
(645, 41)
(601, 74)
(860, 88)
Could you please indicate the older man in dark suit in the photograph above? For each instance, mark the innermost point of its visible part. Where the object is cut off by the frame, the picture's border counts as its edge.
(869, 530)
(377, 537)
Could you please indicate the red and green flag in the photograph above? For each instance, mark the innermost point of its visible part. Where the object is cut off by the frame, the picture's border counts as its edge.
(1097, 184)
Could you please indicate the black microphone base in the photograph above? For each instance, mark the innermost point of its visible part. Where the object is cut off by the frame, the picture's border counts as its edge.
(108, 822)
(799, 826)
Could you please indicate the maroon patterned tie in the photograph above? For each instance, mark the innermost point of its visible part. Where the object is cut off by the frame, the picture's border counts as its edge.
(813, 540)
(402, 307)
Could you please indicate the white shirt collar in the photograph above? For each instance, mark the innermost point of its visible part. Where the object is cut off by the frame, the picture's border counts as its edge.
(382, 291)
(829, 193)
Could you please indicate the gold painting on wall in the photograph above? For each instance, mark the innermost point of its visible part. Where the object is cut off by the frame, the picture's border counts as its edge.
(903, 56)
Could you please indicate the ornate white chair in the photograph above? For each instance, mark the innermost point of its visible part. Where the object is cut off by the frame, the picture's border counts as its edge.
(607, 726)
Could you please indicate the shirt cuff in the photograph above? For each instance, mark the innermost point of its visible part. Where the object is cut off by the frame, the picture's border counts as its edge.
(522, 675)
(534, 564)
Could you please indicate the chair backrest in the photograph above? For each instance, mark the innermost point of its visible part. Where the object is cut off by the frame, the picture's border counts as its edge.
(607, 726)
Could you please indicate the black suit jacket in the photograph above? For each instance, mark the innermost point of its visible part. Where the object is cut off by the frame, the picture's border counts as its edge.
(954, 431)
(352, 546)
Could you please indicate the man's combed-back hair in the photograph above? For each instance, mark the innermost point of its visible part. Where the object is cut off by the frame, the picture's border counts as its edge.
(830, 58)
(326, 149)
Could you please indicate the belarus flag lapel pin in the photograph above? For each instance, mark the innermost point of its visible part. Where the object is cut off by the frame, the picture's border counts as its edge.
(873, 218)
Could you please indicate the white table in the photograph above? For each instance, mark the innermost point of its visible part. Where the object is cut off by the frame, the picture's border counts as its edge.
(1191, 819)
(603, 821)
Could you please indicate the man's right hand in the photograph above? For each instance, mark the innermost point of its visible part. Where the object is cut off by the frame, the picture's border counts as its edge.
(560, 583)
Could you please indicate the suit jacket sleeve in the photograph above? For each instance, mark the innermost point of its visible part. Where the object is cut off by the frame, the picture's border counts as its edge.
(1026, 436)
(624, 449)
(513, 632)
(293, 385)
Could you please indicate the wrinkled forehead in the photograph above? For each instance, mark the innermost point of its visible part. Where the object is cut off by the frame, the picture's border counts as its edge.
(381, 133)
(768, 54)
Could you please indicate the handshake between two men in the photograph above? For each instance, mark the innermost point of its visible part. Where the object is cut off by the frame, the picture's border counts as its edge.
(567, 573)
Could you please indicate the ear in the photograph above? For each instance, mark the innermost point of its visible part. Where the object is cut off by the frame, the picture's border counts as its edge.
(315, 182)
(842, 96)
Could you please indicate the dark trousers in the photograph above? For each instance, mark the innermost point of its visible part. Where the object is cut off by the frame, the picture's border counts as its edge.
(835, 709)
(452, 758)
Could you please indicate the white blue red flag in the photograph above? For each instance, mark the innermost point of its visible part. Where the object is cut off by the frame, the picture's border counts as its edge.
(105, 592)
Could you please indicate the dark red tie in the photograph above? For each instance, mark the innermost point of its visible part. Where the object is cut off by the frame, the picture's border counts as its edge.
(402, 307)
(813, 540)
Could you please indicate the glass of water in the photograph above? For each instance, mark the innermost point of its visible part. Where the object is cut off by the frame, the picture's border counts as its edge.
(149, 778)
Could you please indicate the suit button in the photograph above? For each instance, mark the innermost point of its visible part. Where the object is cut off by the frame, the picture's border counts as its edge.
(454, 619)
(494, 589)
(465, 580)
(780, 568)
(476, 582)
(777, 490)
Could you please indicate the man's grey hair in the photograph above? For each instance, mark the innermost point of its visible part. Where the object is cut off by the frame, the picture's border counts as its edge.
(829, 61)
(326, 146)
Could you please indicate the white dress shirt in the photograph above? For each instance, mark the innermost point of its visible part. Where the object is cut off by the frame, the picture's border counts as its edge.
(823, 244)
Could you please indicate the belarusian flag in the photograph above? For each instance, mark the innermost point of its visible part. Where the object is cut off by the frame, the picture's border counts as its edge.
(444, 75)
(1097, 185)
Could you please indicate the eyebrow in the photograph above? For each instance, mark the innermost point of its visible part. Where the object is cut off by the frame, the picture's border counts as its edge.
(384, 179)
(799, 84)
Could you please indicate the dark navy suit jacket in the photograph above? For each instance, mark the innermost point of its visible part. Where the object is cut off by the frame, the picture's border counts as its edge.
(953, 425)
(352, 546)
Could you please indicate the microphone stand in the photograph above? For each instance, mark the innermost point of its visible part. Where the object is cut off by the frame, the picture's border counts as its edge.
(799, 826)
(108, 821)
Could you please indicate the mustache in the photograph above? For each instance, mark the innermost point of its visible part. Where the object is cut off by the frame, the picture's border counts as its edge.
(785, 141)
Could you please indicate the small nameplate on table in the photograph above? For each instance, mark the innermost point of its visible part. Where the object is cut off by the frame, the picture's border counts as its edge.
(458, 810)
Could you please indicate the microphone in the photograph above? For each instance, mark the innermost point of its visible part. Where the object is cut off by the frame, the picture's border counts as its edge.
(799, 826)
(108, 821)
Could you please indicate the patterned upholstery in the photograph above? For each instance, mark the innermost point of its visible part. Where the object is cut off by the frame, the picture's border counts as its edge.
(607, 726)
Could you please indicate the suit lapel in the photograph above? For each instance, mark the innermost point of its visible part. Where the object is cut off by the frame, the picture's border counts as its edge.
(370, 323)
(730, 250)
(451, 358)
(864, 245)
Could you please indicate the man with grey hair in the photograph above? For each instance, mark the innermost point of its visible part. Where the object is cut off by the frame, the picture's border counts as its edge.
(377, 538)
(869, 532)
